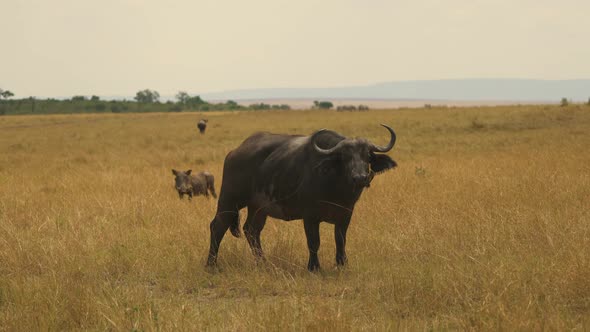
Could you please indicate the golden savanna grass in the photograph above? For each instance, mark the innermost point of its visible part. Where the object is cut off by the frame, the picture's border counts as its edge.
(484, 225)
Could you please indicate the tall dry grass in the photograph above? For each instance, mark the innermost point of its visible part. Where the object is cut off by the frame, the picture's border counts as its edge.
(484, 225)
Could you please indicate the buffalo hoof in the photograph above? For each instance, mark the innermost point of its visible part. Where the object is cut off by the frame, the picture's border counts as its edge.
(313, 267)
(235, 231)
(211, 261)
(341, 260)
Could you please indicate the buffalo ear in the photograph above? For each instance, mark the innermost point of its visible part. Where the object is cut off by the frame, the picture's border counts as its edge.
(189, 172)
(175, 172)
(381, 163)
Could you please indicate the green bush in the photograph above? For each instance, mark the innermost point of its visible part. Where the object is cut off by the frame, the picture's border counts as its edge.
(147, 96)
(564, 102)
(325, 105)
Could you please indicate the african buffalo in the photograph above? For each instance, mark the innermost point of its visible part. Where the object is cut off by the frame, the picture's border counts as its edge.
(202, 125)
(194, 185)
(315, 178)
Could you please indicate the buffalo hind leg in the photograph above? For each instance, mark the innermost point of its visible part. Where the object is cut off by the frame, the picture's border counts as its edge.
(312, 232)
(219, 225)
(252, 228)
(340, 237)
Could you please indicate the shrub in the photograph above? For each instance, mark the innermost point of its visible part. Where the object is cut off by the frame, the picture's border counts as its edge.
(476, 124)
(147, 96)
(195, 101)
(260, 106)
(564, 102)
(346, 108)
(324, 105)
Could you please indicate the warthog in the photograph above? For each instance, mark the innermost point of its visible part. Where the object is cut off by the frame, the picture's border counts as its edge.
(194, 185)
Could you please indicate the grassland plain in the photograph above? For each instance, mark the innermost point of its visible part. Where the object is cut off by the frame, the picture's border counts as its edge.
(484, 225)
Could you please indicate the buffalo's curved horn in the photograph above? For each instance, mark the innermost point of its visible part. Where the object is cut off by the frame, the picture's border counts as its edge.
(320, 150)
(389, 146)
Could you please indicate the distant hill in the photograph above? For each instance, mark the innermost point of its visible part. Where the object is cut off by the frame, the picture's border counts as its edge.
(520, 90)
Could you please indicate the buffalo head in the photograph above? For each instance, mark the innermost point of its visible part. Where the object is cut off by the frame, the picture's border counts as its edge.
(355, 159)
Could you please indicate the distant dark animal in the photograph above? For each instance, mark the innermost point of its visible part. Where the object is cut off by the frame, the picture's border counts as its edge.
(202, 125)
(194, 185)
(315, 178)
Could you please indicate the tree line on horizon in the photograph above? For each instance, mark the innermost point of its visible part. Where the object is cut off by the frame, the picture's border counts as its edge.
(149, 101)
(144, 101)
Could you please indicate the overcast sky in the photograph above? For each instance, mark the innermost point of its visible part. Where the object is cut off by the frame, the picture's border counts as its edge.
(117, 47)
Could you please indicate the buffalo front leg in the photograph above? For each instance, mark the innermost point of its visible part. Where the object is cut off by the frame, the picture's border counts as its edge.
(312, 232)
(252, 228)
(340, 237)
(218, 227)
